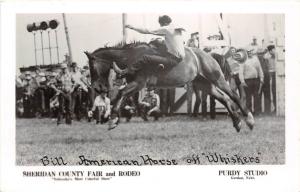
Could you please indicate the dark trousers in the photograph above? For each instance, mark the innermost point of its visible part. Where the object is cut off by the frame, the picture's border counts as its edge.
(100, 111)
(65, 108)
(28, 103)
(85, 104)
(167, 100)
(151, 62)
(76, 103)
(127, 113)
(144, 111)
(212, 106)
(265, 93)
(273, 88)
(252, 92)
(40, 101)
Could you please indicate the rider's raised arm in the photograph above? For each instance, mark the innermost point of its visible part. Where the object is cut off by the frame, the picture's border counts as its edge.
(160, 32)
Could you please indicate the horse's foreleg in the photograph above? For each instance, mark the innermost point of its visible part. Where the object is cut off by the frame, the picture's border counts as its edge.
(222, 85)
(130, 89)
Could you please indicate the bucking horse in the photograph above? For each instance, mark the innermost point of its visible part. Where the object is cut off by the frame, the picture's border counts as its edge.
(197, 67)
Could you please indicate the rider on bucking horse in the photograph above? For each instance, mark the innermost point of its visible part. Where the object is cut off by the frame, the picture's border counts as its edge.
(174, 53)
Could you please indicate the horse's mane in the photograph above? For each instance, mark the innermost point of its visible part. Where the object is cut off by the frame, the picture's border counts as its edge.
(122, 46)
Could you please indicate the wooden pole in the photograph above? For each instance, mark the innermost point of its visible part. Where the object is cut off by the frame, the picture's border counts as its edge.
(35, 48)
(57, 52)
(68, 38)
(50, 54)
(124, 22)
(42, 47)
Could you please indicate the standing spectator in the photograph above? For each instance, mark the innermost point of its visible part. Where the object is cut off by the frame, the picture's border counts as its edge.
(150, 105)
(64, 88)
(40, 95)
(53, 96)
(212, 106)
(86, 97)
(252, 79)
(19, 95)
(265, 92)
(30, 86)
(254, 45)
(79, 87)
(101, 107)
(270, 56)
(194, 40)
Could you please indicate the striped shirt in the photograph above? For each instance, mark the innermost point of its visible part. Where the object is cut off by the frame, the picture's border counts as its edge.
(153, 100)
(65, 81)
(102, 103)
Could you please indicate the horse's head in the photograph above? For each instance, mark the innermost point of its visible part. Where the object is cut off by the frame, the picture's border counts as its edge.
(117, 57)
(99, 70)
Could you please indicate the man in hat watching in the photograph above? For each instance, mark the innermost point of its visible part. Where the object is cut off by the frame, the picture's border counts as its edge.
(79, 86)
(53, 95)
(150, 105)
(254, 45)
(41, 99)
(64, 88)
(252, 78)
(28, 96)
(174, 42)
(270, 57)
(101, 107)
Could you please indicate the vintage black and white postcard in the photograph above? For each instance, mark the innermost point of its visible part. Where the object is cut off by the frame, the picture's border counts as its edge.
(149, 96)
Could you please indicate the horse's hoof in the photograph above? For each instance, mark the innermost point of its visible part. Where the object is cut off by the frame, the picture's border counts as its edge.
(238, 126)
(112, 126)
(250, 121)
(113, 123)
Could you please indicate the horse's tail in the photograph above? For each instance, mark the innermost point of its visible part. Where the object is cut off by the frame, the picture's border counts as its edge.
(209, 67)
(223, 64)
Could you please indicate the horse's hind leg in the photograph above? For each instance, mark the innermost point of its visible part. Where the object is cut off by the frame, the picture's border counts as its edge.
(198, 100)
(222, 85)
(207, 87)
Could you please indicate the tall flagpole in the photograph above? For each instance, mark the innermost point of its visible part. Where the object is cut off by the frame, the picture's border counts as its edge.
(68, 38)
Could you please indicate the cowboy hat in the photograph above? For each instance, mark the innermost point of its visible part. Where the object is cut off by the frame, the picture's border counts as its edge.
(27, 73)
(74, 64)
(240, 55)
(102, 90)
(42, 74)
(64, 65)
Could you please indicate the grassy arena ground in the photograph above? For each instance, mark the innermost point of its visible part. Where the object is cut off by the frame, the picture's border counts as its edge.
(177, 137)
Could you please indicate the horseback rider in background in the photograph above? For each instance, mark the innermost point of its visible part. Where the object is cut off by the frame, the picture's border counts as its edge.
(174, 43)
